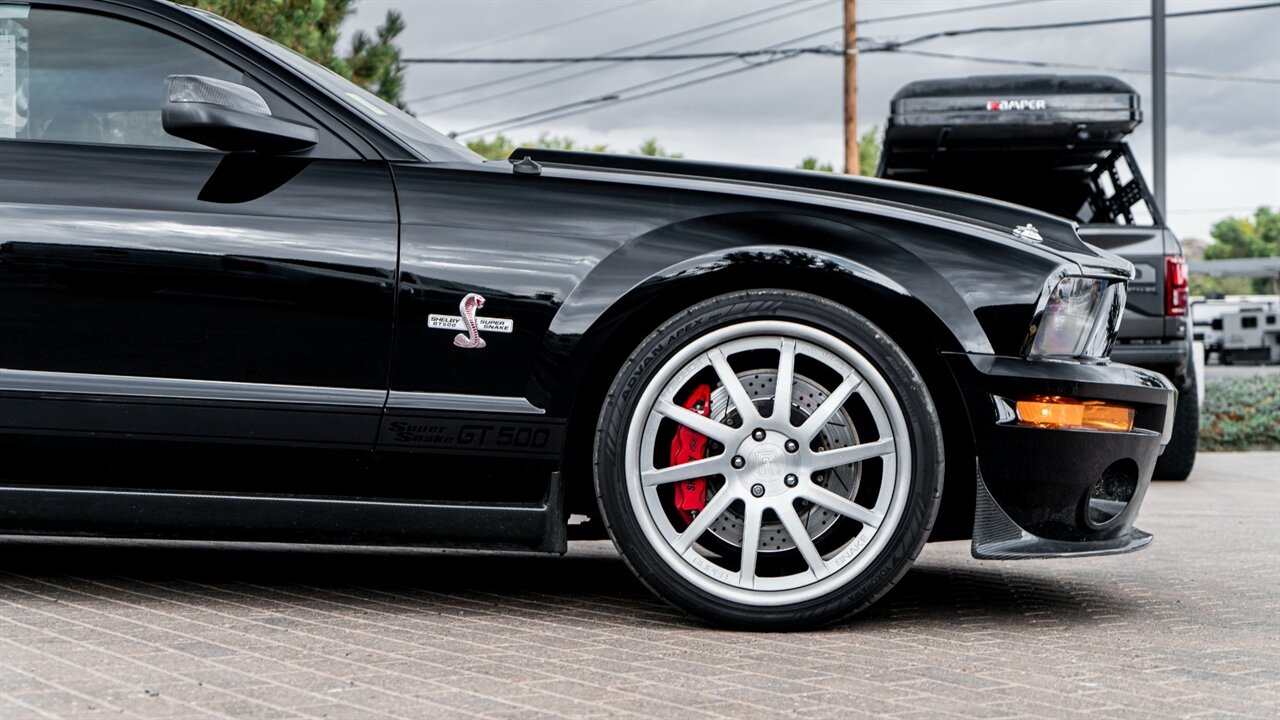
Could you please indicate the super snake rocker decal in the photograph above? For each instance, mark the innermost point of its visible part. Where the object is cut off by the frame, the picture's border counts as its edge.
(469, 323)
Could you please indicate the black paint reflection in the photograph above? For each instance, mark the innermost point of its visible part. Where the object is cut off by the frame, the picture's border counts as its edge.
(193, 264)
(568, 258)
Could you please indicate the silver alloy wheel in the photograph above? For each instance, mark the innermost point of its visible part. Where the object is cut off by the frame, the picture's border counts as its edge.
(764, 464)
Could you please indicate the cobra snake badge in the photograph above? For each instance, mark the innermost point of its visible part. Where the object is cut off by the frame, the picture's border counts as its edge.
(468, 307)
(469, 324)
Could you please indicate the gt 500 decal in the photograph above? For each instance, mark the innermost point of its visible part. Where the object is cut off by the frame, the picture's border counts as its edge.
(465, 436)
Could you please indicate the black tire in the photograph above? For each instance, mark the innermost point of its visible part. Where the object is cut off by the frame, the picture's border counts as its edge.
(909, 390)
(1179, 457)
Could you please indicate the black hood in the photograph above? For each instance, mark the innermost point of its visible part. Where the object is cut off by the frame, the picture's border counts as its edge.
(1058, 235)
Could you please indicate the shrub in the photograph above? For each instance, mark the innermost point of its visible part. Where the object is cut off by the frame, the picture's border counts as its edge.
(1241, 414)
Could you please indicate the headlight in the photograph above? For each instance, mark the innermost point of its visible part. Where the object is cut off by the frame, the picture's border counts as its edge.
(1080, 319)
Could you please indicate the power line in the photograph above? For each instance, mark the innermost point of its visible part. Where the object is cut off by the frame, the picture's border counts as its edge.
(1076, 23)
(607, 99)
(816, 50)
(543, 28)
(889, 18)
(1077, 66)
(946, 11)
(885, 45)
(612, 100)
(590, 71)
(614, 96)
(822, 50)
(651, 41)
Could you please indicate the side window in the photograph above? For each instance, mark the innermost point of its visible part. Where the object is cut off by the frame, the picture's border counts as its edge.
(96, 79)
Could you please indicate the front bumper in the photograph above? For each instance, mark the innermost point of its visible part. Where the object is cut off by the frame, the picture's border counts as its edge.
(1051, 492)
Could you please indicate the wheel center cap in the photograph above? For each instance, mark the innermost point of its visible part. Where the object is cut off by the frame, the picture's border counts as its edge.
(765, 465)
(766, 462)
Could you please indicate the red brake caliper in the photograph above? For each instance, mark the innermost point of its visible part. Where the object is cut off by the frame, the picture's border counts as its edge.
(687, 446)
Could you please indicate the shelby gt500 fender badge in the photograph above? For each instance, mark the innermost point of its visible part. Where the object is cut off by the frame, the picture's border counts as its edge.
(469, 323)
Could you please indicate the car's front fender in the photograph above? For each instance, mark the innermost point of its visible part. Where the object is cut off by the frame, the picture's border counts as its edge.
(662, 272)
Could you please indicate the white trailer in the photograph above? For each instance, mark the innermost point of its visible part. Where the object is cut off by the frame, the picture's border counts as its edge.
(1238, 328)
(1251, 334)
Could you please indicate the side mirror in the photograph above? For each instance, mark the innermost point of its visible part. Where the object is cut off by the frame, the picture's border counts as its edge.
(227, 116)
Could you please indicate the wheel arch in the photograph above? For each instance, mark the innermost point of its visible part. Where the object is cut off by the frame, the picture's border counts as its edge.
(906, 318)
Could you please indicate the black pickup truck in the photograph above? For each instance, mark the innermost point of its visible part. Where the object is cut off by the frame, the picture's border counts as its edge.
(1057, 144)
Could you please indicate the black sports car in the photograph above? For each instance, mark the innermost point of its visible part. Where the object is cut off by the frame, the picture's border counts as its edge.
(245, 299)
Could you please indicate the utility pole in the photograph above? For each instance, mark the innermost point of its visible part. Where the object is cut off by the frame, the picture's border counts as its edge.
(851, 163)
(1158, 102)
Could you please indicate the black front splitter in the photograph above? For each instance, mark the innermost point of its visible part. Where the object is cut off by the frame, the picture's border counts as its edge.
(997, 537)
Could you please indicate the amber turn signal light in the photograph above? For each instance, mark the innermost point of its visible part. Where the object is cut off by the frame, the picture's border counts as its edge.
(1053, 411)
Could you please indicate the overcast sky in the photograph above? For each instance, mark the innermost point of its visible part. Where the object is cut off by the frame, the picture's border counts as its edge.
(1224, 136)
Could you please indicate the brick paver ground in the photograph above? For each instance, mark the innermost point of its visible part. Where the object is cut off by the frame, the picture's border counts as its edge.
(1189, 627)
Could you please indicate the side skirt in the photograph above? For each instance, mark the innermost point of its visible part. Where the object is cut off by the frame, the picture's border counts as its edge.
(538, 527)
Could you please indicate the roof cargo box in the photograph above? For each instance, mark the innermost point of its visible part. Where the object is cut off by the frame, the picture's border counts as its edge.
(1013, 110)
(1052, 142)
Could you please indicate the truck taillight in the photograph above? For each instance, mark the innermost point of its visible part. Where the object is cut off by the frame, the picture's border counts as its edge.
(1175, 285)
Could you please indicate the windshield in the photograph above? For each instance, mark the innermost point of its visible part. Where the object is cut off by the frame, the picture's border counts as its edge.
(428, 143)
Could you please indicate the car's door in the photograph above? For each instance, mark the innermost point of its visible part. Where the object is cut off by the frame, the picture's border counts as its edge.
(173, 317)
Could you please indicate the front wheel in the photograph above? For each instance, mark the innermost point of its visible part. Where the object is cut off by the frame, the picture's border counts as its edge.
(769, 459)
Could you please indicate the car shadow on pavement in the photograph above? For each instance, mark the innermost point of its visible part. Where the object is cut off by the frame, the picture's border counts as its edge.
(276, 564)
(594, 578)
(973, 593)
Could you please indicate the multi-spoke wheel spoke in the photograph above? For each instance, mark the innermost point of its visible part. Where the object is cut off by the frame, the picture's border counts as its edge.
(686, 471)
(771, 530)
(732, 385)
(843, 505)
(720, 433)
(718, 504)
(823, 414)
(752, 518)
(849, 455)
(786, 381)
(800, 536)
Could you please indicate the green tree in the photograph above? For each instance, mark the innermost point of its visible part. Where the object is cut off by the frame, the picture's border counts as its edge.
(869, 152)
(312, 28)
(1246, 237)
(563, 142)
(651, 148)
(1205, 285)
(812, 163)
(374, 62)
(499, 148)
(1237, 237)
(868, 155)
